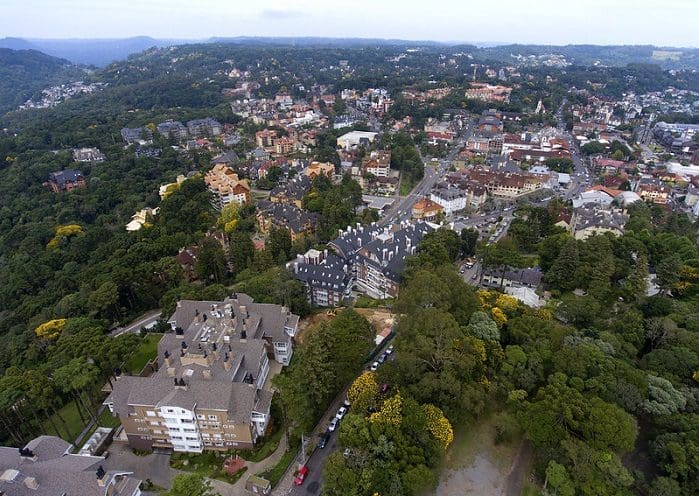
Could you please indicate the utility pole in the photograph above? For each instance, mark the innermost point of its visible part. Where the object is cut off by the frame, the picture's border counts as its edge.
(304, 445)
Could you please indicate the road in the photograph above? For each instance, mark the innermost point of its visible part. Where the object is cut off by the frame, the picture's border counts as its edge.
(403, 209)
(317, 459)
(579, 178)
(144, 320)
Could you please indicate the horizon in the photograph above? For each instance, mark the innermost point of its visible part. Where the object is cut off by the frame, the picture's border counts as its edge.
(549, 22)
(478, 43)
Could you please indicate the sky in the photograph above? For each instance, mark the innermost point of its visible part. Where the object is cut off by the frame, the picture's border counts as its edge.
(559, 22)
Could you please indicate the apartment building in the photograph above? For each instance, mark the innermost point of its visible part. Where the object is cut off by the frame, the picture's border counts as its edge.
(207, 393)
(378, 163)
(226, 187)
(204, 127)
(173, 129)
(591, 218)
(316, 169)
(45, 467)
(489, 93)
(327, 277)
(427, 210)
(376, 256)
(299, 222)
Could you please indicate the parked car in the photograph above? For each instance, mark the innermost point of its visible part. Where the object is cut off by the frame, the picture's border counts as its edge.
(333, 424)
(301, 475)
(341, 413)
(324, 440)
(346, 403)
(383, 389)
(382, 358)
(374, 366)
(389, 350)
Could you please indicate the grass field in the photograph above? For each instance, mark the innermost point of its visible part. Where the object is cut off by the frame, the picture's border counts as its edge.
(275, 473)
(145, 352)
(73, 425)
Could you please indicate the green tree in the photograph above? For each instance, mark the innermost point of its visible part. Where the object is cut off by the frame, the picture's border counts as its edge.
(211, 260)
(191, 485)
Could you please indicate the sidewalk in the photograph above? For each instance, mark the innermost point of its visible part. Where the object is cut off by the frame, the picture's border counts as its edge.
(238, 489)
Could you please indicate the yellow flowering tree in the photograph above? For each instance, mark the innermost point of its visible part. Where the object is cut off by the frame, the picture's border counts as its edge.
(64, 232)
(498, 316)
(230, 215)
(365, 383)
(50, 330)
(438, 425)
(391, 412)
(507, 304)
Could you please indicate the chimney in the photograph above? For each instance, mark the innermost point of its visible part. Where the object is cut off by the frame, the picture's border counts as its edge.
(101, 476)
(31, 483)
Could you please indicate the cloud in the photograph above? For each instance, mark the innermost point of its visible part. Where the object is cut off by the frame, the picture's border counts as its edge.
(279, 15)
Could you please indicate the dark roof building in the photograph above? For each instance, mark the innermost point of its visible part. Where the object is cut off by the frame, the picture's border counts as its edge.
(66, 180)
(45, 467)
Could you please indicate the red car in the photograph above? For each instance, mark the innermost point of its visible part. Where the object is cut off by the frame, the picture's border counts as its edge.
(301, 476)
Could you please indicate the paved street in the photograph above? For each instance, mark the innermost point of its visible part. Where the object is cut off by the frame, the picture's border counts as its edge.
(144, 320)
(317, 459)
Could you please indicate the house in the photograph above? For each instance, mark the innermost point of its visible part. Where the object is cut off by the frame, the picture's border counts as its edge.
(355, 139)
(88, 155)
(46, 467)
(66, 180)
(226, 158)
(376, 256)
(174, 130)
(506, 277)
(136, 134)
(299, 222)
(208, 391)
(427, 210)
(204, 127)
(592, 218)
(226, 187)
(166, 190)
(316, 169)
(327, 277)
(141, 218)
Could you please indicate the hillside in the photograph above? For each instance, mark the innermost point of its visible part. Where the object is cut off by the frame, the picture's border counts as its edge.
(24, 73)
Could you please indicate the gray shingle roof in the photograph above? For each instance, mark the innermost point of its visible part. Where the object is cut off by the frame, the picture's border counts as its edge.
(57, 473)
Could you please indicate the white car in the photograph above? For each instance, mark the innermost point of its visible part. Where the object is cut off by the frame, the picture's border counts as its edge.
(374, 366)
(341, 413)
(389, 350)
(333, 424)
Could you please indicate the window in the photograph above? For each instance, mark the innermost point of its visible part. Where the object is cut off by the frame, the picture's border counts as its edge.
(192, 438)
(170, 410)
(200, 417)
(177, 437)
(154, 423)
(187, 421)
(190, 430)
(213, 417)
(174, 429)
(150, 413)
(219, 444)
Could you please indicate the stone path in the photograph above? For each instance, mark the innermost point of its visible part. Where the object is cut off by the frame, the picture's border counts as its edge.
(238, 489)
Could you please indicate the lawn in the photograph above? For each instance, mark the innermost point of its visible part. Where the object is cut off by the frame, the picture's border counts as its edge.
(145, 352)
(209, 464)
(73, 423)
(274, 474)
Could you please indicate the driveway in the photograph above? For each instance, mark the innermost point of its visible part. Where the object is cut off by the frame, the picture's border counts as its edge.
(155, 467)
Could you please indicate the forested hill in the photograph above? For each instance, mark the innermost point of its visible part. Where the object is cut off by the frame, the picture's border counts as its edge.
(24, 73)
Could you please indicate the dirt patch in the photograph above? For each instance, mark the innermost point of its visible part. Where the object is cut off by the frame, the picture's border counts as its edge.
(474, 465)
(379, 318)
(311, 321)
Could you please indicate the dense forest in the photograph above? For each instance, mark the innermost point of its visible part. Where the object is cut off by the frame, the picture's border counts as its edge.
(24, 73)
